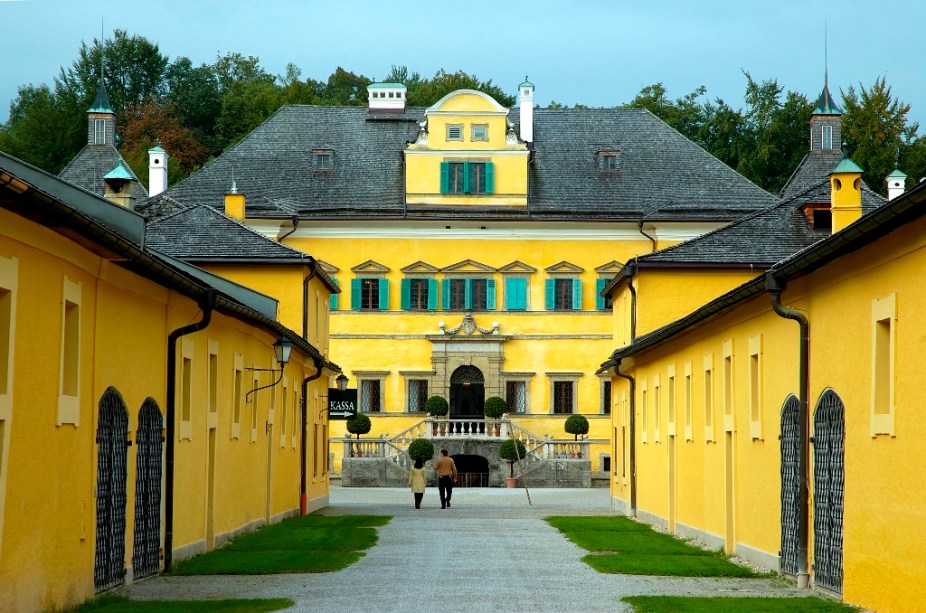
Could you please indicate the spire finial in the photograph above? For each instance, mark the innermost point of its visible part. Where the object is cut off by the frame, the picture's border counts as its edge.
(826, 55)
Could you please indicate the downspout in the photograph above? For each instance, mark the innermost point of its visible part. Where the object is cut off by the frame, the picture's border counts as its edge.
(652, 239)
(303, 485)
(632, 447)
(629, 271)
(303, 444)
(207, 304)
(295, 225)
(775, 287)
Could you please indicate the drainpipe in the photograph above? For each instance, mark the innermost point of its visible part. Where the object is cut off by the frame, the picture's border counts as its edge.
(303, 444)
(629, 271)
(775, 287)
(295, 225)
(632, 448)
(652, 239)
(303, 495)
(207, 304)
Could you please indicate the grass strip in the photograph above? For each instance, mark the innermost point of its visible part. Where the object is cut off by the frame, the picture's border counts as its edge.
(308, 544)
(624, 546)
(721, 604)
(112, 603)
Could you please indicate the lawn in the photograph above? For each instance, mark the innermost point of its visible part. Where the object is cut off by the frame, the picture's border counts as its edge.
(687, 604)
(624, 546)
(308, 544)
(110, 603)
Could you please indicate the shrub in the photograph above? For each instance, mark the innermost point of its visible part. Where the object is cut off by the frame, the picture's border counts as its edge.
(494, 407)
(576, 424)
(421, 449)
(511, 450)
(359, 424)
(437, 406)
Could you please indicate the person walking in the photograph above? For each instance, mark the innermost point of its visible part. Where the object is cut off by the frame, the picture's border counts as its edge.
(446, 471)
(417, 480)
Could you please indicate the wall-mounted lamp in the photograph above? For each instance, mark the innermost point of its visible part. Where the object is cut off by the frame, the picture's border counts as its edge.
(342, 382)
(281, 350)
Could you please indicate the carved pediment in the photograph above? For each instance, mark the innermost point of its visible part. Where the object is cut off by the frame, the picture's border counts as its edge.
(517, 267)
(564, 268)
(370, 266)
(420, 267)
(611, 268)
(329, 269)
(468, 266)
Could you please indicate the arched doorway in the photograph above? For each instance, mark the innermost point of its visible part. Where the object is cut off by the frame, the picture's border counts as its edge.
(828, 483)
(148, 476)
(790, 485)
(112, 474)
(467, 392)
(473, 470)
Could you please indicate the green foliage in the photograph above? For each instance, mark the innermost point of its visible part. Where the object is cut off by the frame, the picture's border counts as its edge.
(576, 425)
(425, 92)
(436, 406)
(512, 449)
(494, 407)
(359, 424)
(113, 603)
(421, 449)
(734, 604)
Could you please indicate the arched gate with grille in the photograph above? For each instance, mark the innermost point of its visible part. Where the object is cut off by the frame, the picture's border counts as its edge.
(148, 476)
(829, 486)
(112, 458)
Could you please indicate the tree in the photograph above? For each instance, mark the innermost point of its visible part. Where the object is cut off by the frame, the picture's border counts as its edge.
(494, 407)
(41, 130)
(875, 128)
(512, 450)
(148, 124)
(576, 425)
(345, 89)
(359, 424)
(194, 93)
(429, 91)
(421, 449)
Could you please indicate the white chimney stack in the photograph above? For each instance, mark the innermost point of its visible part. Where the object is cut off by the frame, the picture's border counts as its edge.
(526, 104)
(157, 170)
(895, 184)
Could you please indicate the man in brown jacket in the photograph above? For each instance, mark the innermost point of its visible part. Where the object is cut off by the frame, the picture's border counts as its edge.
(446, 476)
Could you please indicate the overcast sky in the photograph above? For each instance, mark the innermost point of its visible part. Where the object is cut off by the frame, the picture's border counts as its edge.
(595, 52)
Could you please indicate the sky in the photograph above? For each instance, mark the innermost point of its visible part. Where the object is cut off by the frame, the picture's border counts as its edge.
(593, 52)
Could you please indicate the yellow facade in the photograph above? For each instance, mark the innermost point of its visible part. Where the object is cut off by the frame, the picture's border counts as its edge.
(726, 379)
(79, 329)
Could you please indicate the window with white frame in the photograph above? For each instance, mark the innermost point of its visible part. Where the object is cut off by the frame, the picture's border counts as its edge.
(827, 138)
(186, 389)
(237, 395)
(371, 395)
(728, 385)
(454, 131)
(644, 412)
(469, 294)
(564, 294)
(479, 132)
(417, 395)
(419, 294)
(688, 402)
(99, 131)
(563, 399)
(755, 387)
(657, 409)
(516, 396)
(883, 364)
(709, 397)
(670, 399)
(69, 380)
(284, 410)
(9, 283)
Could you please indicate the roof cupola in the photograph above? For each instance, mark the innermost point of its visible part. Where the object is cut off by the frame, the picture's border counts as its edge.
(526, 107)
(387, 96)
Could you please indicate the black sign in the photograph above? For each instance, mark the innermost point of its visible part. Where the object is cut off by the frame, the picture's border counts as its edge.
(341, 405)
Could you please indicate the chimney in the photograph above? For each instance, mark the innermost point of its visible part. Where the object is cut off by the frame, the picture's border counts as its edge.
(845, 194)
(526, 105)
(387, 97)
(157, 170)
(235, 203)
(895, 184)
(119, 186)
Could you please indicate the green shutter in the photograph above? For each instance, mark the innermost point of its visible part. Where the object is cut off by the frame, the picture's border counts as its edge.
(432, 295)
(490, 178)
(599, 299)
(384, 294)
(465, 177)
(444, 177)
(490, 294)
(468, 298)
(550, 290)
(577, 294)
(516, 294)
(334, 297)
(445, 286)
(406, 294)
(355, 289)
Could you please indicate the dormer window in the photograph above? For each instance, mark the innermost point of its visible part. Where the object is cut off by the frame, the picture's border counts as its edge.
(480, 132)
(454, 131)
(609, 162)
(818, 215)
(322, 159)
(827, 138)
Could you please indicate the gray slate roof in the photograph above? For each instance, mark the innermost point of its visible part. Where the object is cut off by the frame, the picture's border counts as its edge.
(89, 166)
(663, 175)
(817, 166)
(200, 233)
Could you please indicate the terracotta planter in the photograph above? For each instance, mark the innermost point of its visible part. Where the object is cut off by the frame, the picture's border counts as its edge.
(510, 481)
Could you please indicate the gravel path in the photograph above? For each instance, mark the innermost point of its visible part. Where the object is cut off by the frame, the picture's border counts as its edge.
(490, 550)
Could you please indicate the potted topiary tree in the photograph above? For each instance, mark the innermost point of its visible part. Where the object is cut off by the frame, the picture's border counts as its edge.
(493, 409)
(513, 451)
(421, 449)
(358, 424)
(576, 425)
(437, 407)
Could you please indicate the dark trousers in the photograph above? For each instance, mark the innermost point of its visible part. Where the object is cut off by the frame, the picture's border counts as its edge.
(445, 488)
(418, 498)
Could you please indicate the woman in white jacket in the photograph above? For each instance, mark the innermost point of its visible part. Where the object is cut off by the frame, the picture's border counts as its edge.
(417, 480)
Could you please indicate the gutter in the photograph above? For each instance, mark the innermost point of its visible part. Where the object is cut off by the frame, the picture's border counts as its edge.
(632, 447)
(775, 287)
(207, 304)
